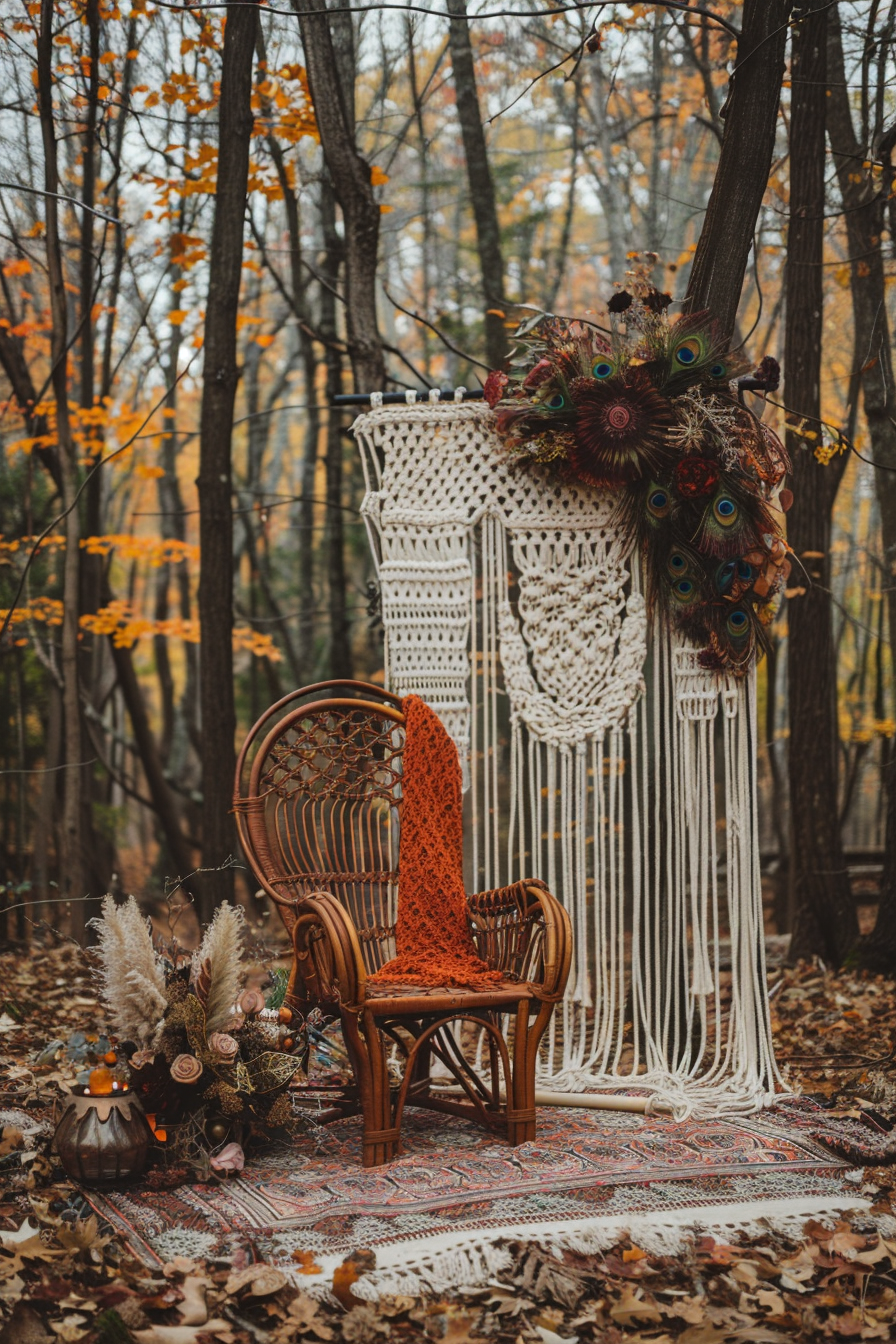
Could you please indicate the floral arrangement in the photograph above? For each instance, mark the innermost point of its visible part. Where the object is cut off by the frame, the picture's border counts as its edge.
(210, 1059)
(653, 412)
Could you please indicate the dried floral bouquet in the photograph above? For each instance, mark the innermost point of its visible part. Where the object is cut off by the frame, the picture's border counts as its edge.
(210, 1059)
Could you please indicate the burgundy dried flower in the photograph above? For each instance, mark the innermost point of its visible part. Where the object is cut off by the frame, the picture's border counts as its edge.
(495, 384)
(768, 374)
(620, 302)
(543, 370)
(656, 301)
(695, 477)
(620, 429)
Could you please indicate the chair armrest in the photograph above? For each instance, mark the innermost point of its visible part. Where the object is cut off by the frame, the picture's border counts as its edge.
(328, 965)
(524, 931)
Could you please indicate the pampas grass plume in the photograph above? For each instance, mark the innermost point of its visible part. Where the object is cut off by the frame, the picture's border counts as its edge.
(131, 975)
(222, 947)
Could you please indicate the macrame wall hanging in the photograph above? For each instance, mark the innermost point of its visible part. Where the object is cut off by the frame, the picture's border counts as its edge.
(603, 750)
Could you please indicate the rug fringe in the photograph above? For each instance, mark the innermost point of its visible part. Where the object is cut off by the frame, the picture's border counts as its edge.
(440, 1264)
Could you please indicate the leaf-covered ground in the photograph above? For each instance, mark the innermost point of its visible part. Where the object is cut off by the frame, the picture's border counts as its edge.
(63, 1277)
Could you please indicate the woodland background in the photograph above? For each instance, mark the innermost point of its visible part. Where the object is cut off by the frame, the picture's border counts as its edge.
(215, 219)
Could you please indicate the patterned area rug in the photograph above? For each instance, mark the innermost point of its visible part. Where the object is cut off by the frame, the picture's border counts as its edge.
(437, 1214)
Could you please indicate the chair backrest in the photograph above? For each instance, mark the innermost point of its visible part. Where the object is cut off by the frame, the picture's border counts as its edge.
(318, 799)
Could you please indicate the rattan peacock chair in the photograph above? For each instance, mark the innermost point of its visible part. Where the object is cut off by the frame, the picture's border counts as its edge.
(318, 807)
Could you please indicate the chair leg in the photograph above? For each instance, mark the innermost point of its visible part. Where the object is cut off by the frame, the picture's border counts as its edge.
(368, 1055)
(521, 1101)
(420, 1073)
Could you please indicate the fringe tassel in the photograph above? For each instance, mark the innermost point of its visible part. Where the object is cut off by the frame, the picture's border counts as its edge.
(442, 1264)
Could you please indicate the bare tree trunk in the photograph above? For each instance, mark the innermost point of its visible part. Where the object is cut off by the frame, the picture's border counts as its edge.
(482, 187)
(215, 482)
(72, 866)
(305, 515)
(164, 802)
(330, 80)
(99, 852)
(751, 114)
(340, 629)
(864, 207)
(825, 916)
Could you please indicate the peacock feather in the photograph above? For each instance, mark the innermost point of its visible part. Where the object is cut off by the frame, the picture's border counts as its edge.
(645, 411)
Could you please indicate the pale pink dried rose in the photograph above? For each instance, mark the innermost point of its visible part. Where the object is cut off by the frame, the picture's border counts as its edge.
(141, 1058)
(230, 1158)
(251, 1002)
(186, 1069)
(224, 1046)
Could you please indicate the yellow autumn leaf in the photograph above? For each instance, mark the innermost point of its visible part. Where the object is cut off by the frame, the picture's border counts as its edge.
(176, 316)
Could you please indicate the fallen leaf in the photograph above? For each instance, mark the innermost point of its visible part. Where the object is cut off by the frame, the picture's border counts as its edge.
(25, 1327)
(192, 1309)
(262, 1278)
(634, 1253)
(770, 1301)
(351, 1269)
(304, 1316)
(184, 1334)
(632, 1306)
(306, 1262)
(551, 1336)
(363, 1324)
(838, 1241)
(71, 1328)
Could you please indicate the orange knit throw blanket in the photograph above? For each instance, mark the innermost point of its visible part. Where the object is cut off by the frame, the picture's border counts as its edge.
(434, 943)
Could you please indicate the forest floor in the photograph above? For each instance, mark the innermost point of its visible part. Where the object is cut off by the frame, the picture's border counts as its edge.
(67, 1279)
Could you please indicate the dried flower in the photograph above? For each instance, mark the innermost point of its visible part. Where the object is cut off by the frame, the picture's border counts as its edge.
(280, 1111)
(222, 949)
(696, 476)
(186, 1069)
(495, 384)
(227, 1098)
(538, 375)
(620, 302)
(620, 429)
(251, 1002)
(224, 1046)
(132, 978)
(230, 1158)
(140, 1059)
(656, 301)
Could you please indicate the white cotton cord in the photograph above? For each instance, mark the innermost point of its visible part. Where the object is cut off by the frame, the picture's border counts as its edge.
(607, 794)
(475, 698)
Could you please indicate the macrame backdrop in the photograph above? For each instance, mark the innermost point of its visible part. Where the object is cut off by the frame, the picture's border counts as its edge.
(597, 754)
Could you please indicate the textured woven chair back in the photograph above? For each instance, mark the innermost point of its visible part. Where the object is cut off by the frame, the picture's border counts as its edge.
(318, 805)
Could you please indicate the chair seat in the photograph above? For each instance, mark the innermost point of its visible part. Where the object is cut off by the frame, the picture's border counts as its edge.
(384, 999)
